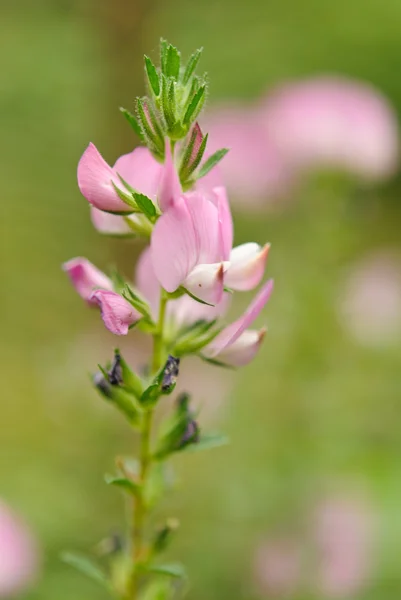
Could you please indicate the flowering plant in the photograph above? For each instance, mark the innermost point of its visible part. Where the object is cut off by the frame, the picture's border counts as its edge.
(168, 192)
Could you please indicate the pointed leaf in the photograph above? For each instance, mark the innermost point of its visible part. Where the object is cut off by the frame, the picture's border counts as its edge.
(176, 570)
(207, 441)
(85, 565)
(191, 65)
(127, 485)
(212, 162)
(172, 64)
(132, 120)
(153, 76)
(195, 106)
(145, 204)
(125, 198)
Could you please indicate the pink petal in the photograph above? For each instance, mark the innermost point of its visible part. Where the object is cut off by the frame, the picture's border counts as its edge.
(174, 247)
(205, 218)
(170, 186)
(244, 349)
(147, 282)
(95, 178)
(109, 224)
(206, 282)
(141, 170)
(231, 333)
(225, 221)
(247, 266)
(117, 313)
(86, 277)
(185, 310)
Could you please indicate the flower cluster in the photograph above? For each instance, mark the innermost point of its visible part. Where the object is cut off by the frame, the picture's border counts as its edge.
(170, 193)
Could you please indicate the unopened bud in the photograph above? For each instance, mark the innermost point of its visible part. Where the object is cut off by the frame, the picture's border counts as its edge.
(170, 374)
(191, 434)
(116, 371)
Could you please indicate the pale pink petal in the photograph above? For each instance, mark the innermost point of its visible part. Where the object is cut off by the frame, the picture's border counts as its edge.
(206, 282)
(147, 282)
(244, 349)
(18, 555)
(86, 278)
(95, 179)
(279, 568)
(205, 218)
(174, 245)
(336, 123)
(231, 333)
(141, 170)
(225, 221)
(117, 313)
(247, 266)
(170, 186)
(109, 224)
(185, 310)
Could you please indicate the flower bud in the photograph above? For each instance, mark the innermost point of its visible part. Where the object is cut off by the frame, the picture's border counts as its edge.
(170, 374)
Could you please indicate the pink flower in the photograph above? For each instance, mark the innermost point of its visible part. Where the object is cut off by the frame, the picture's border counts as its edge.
(86, 278)
(18, 555)
(110, 224)
(191, 247)
(139, 169)
(278, 567)
(344, 536)
(336, 123)
(236, 344)
(117, 313)
(253, 169)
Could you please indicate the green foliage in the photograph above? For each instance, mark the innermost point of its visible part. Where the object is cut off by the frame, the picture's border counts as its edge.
(133, 121)
(212, 161)
(153, 76)
(87, 566)
(146, 205)
(127, 485)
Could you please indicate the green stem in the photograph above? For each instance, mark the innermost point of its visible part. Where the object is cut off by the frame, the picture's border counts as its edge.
(140, 509)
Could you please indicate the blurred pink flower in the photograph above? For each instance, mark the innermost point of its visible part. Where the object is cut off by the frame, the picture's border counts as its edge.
(333, 123)
(18, 555)
(370, 299)
(278, 567)
(253, 169)
(343, 529)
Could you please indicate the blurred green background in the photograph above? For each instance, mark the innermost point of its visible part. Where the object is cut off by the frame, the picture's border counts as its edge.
(314, 407)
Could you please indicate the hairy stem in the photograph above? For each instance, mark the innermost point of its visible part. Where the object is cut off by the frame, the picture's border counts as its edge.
(140, 509)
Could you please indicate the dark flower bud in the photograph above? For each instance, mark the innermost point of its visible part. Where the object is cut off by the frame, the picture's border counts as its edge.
(101, 383)
(170, 374)
(116, 371)
(191, 434)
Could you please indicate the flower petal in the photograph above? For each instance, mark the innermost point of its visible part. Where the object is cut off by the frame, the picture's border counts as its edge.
(117, 313)
(86, 277)
(185, 310)
(147, 282)
(206, 282)
(109, 224)
(174, 246)
(95, 179)
(225, 221)
(244, 349)
(205, 218)
(231, 333)
(247, 265)
(141, 170)
(170, 186)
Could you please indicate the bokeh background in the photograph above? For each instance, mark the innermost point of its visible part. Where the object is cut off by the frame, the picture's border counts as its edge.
(315, 420)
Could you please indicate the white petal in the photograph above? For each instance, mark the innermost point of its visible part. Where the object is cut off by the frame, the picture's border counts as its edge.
(247, 265)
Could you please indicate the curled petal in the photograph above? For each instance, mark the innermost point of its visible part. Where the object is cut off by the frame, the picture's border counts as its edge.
(117, 313)
(95, 180)
(170, 186)
(244, 349)
(86, 277)
(109, 224)
(230, 334)
(141, 170)
(207, 282)
(247, 265)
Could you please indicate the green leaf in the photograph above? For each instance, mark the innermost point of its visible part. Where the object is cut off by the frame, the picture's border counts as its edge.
(163, 54)
(125, 198)
(176, 570)
(168, 107)
(172, 63)
(195, 106)
(215, 362)
(131, 381)
(191, 65)
(125, 484)
(87, 566)
(132, 120)
(157, 590)
(118, 281)
(207, 441)
(145, 204)
(153, 76)
(151, 395)
(196, 298)
(122, 399)
(191, 344)
(212, 162)
(155, 485)
(150, 127)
